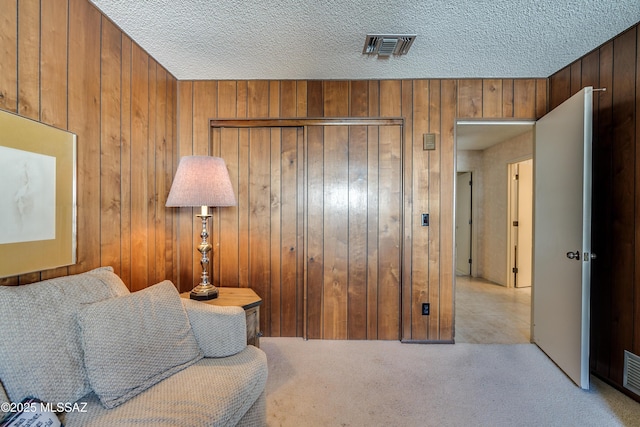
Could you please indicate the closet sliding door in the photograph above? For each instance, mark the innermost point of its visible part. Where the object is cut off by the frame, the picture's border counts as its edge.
(258, 243)
(317, 231)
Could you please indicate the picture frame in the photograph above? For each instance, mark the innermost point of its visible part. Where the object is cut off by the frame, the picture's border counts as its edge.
(38, 207)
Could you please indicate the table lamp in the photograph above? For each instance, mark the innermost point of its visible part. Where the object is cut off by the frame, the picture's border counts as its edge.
(202, 181)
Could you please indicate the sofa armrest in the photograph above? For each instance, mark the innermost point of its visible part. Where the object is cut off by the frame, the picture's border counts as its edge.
(219, 331)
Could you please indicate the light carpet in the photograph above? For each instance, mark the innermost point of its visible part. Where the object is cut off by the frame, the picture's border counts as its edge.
(387, 383)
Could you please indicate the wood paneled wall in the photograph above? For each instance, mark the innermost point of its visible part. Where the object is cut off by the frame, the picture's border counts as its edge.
(615, 298)
(427, 106)
(65, 64)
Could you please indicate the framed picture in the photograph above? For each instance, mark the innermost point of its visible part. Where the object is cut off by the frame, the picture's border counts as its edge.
(37, 196)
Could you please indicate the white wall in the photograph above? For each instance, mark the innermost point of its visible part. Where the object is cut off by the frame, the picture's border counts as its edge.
(490, 186)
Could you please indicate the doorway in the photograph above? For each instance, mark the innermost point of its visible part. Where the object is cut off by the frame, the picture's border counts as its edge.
(464, 223)
(488, 308)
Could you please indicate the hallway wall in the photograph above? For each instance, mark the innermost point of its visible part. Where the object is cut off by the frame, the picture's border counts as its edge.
(490, 189)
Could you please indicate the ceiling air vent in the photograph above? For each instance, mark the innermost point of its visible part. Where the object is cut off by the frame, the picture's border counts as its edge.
(388, 44)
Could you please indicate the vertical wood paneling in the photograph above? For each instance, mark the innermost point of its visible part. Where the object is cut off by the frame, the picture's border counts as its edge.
(188, 275)
(73, 67)
(139, 124)
(470, 100)
(352, 183)
(53, 75)
(615, 283)
(434, 208)
(291, 252)
(603, 214)
(8, 53)
(301, 256)
(507, 97)
(541, 97)
(314, 232)
(418, 292)
(84, 120)
(204, 107)
(229, 223)
(447, 123)
(259, 231)
(624, 195)
(357, 230)
(275, 226)
(289, 222)
(110, 194)
(408, 113)
(390, 212)
(559, 87)
(288, 97)
(636, 290)
(373, 212)
(53, 62)
(243, 205)
(28, 74)
(29, 58)
(335, 236)
(150, 169)
(315, 103)
(357, 215)
(243, 191)
(275, 214)
(139, 176)
(491, 98)
(161, 163)
(125, 162)
(576, 77)
(524, 98)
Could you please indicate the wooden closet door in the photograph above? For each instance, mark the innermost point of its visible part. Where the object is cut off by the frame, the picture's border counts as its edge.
(317, 229)
(258, 243)
(353, 230)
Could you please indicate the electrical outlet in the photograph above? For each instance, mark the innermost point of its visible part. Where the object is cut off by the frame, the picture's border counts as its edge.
(425, 308)
(425, 219)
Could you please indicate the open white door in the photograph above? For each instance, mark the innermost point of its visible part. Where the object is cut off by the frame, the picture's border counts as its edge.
(562, 235)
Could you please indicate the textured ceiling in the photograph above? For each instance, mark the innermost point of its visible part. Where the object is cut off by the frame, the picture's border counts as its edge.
(323, 39)
(480, 135)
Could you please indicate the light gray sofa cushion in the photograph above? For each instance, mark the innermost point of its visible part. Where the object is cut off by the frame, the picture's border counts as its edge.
(211, 392)
(221, 331)
(135, 341)
(40, 345)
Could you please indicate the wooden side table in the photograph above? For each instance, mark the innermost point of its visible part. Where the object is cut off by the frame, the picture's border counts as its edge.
(248, 300)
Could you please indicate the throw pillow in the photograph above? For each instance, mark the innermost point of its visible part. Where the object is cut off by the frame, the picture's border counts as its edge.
(135, 341)
(40, 352)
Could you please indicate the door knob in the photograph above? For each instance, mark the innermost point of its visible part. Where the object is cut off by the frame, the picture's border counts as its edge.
(574, 255)
(593, 256)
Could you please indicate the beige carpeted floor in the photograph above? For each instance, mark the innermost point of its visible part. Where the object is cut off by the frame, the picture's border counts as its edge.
(387, 383)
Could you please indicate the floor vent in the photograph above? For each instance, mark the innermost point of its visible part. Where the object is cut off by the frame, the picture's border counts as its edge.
(631, 375)
(388, 44)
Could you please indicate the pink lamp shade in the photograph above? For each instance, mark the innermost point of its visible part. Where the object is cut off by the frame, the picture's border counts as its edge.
(201, 181)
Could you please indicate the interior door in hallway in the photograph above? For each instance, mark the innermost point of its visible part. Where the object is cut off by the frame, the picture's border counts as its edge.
(463, 223)
(521, 223)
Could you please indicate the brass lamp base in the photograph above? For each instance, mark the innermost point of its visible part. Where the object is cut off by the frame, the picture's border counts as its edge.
(204, 292)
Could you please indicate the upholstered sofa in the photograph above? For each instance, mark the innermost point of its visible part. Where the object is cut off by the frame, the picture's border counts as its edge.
(142, 358)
